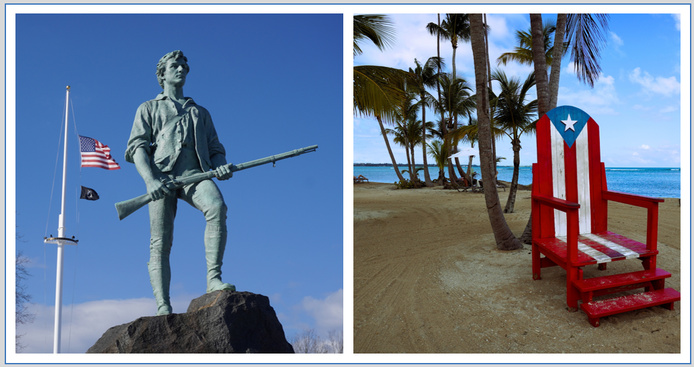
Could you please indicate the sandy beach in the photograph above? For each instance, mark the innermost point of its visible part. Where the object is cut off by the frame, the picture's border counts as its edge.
(429, 279)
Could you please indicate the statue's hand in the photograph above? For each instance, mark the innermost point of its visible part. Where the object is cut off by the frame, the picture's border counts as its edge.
(157, 189)
(223, 172)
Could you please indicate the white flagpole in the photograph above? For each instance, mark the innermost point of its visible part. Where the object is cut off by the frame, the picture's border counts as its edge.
(61, 240)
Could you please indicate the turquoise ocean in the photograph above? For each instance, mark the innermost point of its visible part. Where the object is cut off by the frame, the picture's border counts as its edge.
(655, 182)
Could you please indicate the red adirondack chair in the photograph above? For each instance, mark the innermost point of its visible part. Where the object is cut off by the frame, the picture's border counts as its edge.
(569, 221)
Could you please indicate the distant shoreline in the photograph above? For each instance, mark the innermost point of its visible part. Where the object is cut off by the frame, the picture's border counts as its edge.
(500, 165)
(658, 182)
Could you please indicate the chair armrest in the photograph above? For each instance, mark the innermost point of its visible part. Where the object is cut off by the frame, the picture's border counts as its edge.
(650, 204)
(631, 199)
(556, 203)
(572, 226)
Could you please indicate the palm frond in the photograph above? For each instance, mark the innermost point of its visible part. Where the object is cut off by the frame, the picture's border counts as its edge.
(378, 91)
(376, 28)
(586, 34)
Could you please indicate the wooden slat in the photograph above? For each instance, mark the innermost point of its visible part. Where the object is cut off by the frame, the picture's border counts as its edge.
(612, 306)
(557, 246)
(558, 178)
(618, 280)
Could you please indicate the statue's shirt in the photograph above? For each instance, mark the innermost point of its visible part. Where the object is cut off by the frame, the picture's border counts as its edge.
(174, 137)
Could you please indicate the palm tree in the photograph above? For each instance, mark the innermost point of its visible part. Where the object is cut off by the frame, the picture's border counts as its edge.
(377, 89)
(438, 151)
(454, 27)
(540, 64)
(376, 93)
(407, 132)
(523, 53)
(515, 117)
(586, 39)
(425, 76)
(557, 54)
(505, 240)
(456, 100)
(470, 133)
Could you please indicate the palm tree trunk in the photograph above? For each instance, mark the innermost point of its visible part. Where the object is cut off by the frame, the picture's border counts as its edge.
(454, 149)
(461, 172)
(442, 177)
(505, 240)
(491, 109)
(413, 174)
(540, 63)
(427, 178)
(496, 171)
(556, 60)
(451, 173)
(409, 163)
(469, 166)
(511, 201)
(390, 151)
(455, 76)
(541, 86)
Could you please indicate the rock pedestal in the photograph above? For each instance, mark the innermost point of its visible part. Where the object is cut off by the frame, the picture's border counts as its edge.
(217, 322)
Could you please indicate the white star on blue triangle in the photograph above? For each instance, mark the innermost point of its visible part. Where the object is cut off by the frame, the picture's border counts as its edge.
(569, 122)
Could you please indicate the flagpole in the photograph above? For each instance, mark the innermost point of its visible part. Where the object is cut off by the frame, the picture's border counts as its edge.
(61, 240)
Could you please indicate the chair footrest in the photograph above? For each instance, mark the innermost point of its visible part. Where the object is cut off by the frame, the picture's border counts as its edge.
(618, 280)
(598, 309)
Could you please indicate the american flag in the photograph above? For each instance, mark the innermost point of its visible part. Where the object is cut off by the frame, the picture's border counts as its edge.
(96, 154)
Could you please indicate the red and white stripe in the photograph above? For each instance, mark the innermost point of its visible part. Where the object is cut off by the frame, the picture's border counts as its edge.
(571, 173)
(100, 157)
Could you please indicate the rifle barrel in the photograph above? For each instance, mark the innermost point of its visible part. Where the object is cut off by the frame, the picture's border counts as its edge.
(127, 207)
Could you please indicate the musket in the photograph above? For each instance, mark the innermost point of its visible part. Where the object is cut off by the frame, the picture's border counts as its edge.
(128, 207)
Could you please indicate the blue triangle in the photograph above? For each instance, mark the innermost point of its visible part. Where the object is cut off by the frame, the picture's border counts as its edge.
(569, 122)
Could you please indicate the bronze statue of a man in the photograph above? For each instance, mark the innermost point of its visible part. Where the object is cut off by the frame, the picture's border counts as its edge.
(172, 137)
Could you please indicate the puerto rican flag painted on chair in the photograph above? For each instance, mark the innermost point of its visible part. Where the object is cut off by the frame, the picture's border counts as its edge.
(569, 168)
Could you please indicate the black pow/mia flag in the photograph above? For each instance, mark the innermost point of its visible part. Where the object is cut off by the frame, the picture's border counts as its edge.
(88, 194)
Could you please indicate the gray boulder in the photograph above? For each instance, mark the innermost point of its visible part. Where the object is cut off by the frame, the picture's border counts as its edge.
(217, 322)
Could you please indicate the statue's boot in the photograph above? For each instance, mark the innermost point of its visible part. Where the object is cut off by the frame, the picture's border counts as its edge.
(215, 242)
(160, 278)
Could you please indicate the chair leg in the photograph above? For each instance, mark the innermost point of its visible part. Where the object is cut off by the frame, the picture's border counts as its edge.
(537, 263)
(648, 262)
(595, 321)
(572, 293)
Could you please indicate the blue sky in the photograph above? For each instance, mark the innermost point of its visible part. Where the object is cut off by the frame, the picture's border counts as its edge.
(272, 83)
(637, 100)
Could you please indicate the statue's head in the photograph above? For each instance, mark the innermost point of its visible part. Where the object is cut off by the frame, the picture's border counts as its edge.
(161, 65)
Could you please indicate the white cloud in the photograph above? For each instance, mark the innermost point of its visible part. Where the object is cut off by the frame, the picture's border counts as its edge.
(669, 109)
(676, 17)
(654, 85)
(412, 40)
(82, 324)
(616, 43)
(644, 155)
(602, 99)
(327, 311)
(616, 39)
